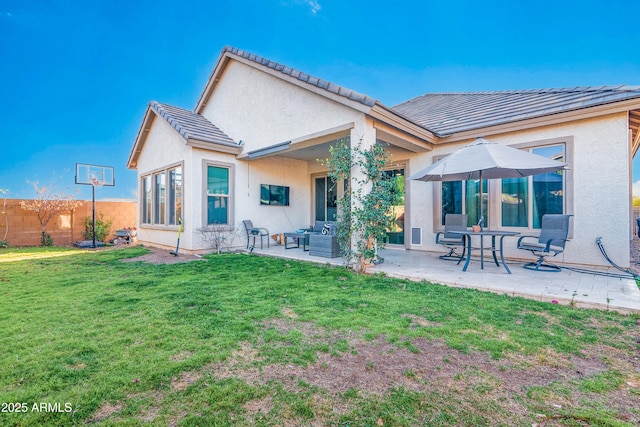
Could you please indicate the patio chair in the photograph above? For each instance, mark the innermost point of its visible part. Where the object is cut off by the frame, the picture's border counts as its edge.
(451, 241)
(255, 232)
(553, 236)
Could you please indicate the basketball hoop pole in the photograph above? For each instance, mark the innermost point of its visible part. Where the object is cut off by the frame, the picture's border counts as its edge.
(93, 213)
(95, 176)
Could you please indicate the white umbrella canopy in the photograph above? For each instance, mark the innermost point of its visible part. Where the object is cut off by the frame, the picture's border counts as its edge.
(487, 160)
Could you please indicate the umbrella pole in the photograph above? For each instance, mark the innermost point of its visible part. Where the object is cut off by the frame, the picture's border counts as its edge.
(480, 216)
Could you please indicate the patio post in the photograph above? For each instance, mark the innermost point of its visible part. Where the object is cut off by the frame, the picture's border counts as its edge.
(362, 133)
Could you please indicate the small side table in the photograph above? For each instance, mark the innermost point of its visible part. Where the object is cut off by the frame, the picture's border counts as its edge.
(297, 237)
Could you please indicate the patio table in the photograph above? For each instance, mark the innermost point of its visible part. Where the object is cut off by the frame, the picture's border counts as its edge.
(482, 233)
(297, 237)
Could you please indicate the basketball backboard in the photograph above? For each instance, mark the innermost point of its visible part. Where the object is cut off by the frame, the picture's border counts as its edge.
(95, 175)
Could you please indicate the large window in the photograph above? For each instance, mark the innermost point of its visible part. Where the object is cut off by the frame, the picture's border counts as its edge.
(525, 200)
(217, 195)
(464, 197)
(175, 195)
(513, 202)
(162, 199)
(159, 198)
(146, 200)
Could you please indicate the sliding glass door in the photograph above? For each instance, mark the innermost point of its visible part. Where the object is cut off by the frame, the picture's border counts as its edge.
(326, 199)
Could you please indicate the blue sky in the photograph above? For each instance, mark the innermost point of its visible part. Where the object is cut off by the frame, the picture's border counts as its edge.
(76, 76)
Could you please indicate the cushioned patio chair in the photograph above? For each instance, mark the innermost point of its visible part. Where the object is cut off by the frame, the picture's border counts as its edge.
(255, 232)
(553, 236)
(453, 241)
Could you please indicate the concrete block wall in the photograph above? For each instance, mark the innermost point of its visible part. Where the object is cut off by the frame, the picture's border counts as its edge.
(23, 229)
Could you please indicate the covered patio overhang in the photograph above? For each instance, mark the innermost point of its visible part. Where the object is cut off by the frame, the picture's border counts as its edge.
(316, 145)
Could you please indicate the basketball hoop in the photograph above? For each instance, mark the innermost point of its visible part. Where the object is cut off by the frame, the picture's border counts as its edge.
(95, 176)
(96, 182)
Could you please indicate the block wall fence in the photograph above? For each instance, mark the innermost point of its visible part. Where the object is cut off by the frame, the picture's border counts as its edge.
(65, 228)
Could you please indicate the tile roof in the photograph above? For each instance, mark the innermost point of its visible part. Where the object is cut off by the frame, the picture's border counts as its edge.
(449, 113)
(292, 72)
(191, 125)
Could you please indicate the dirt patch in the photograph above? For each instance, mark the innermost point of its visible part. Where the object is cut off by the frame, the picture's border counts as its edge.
(163, 256)
(105, 411)
(353, 368)
(185, 380)
(420, 321)
(375, 367)
(182, 356)
(259, 405)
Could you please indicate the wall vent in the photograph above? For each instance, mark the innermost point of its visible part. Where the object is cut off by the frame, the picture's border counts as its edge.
(416, 236)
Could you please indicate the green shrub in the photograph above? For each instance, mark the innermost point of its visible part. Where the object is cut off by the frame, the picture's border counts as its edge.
(4, 244)
(103, 228)
(46, 239)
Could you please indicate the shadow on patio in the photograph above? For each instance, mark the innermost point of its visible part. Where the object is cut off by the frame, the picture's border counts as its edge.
(590, 290)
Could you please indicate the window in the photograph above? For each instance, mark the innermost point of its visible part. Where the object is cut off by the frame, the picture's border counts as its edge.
(526, 199)
(162, 200)
(217, 195)
(175, 195)
(463, 197)
(146, 200)
(514, 202)
(159, 198)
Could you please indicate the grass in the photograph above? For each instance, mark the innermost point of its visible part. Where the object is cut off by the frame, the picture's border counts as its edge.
(249, 340)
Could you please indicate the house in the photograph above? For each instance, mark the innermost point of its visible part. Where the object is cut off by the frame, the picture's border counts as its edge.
(259, 127)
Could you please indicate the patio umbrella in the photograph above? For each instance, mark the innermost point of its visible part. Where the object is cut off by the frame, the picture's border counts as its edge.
(483, 159)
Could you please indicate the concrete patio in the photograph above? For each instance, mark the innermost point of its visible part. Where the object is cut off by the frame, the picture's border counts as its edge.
(589, 290)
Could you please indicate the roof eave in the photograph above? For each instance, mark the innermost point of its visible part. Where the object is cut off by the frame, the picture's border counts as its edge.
(141, 137)
(213, 80)
(218, 146)
(387, 116)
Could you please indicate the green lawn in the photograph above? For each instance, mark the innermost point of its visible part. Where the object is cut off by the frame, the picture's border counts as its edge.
(249, 340)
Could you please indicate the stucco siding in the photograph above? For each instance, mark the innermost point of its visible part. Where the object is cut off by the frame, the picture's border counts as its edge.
(600, 187)
(261, 110)
(245, 199)
(164, 147)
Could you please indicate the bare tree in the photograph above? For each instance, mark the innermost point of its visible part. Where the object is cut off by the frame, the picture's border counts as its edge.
(218, 236)
(46, 205)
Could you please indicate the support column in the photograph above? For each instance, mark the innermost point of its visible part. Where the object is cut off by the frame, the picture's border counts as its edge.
(363, 134)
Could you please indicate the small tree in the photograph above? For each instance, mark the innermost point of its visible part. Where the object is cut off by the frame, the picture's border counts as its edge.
(103, 228)
(46, 205)
(364, 213)
(218, 236)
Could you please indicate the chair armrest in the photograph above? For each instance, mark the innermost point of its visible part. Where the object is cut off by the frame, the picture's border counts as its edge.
(550, 241)
(525, 237)
(438, 234)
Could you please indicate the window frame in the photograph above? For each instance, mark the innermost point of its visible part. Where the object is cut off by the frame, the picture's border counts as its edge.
(150, 209)
(206, 163)
(494, 190)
